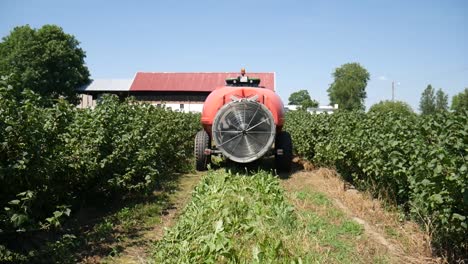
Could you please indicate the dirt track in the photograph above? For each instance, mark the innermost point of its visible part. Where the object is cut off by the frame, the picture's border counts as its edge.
(403, 241)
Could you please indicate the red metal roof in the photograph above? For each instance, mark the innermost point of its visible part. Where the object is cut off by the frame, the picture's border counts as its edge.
(192, 82)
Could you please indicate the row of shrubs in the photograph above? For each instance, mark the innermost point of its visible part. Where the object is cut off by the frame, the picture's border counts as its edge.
(419, 162)
(54, 159)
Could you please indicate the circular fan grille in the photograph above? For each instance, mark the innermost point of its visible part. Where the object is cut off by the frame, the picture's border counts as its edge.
(243, 130)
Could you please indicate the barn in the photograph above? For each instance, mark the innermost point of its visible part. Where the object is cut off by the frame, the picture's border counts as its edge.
(179, 91)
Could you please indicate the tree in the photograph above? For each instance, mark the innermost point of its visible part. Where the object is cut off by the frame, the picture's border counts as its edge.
(427, 103)
(441, 102)
(303, 99)
(348, 89)
(392, 106)
(460, 101)
(46, 60)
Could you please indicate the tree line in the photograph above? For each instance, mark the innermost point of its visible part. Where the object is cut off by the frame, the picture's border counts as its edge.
(51, 63)
(348, 90)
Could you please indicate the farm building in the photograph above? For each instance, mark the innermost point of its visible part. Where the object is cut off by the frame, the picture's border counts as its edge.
(179, 91)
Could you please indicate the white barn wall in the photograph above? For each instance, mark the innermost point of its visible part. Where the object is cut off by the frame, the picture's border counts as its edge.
(188, 107)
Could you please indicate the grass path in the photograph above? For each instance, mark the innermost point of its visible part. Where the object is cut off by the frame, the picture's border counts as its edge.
(307, 217)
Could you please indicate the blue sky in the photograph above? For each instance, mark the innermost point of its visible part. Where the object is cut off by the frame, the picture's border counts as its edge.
(412, 42)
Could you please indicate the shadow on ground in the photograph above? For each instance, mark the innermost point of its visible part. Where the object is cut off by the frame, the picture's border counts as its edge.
(263, 164)
(94, 231)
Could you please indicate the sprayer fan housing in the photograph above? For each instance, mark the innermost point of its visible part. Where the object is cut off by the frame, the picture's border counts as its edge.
(244, 130)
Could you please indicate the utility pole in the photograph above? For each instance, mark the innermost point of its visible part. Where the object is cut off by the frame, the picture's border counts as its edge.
(393, 91)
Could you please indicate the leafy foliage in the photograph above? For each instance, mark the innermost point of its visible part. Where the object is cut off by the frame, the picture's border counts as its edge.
(229, 218)
(420, 162)
(427, 102)
(46, 60)
(247, 219)
(54, 159)
(303, 99)
(430, 103)
(441, 101)
(460, 101)
(392, 106)
(348, 89)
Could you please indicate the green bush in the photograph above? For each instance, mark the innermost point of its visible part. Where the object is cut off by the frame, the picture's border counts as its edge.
(392, 106)
(53, 159)
(419, 162)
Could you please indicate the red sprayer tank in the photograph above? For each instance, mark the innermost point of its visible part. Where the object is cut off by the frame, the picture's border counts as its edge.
(243, 121)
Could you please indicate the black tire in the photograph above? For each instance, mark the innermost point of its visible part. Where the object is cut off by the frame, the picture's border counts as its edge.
(202, 142)
(283, 141)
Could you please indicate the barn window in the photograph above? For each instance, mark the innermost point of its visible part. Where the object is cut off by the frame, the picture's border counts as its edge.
(181, 106)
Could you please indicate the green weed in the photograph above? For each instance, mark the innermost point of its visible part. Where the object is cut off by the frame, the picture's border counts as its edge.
(246, 219)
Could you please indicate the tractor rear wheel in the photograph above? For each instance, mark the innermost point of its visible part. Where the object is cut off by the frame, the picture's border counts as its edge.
(283, 151)
(202, 142)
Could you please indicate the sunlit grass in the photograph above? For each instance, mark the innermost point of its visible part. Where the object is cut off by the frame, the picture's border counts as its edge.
(236, 218)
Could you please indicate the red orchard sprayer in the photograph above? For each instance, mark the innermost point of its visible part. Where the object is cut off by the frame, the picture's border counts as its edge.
(243, 121)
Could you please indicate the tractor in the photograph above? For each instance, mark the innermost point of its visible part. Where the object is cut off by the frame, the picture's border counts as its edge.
(243, 121)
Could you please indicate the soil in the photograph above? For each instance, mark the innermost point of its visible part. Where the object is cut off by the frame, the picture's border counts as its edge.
(404, 241)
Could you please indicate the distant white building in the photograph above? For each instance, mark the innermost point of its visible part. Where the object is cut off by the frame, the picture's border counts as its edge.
(291, 107)
(329, 109)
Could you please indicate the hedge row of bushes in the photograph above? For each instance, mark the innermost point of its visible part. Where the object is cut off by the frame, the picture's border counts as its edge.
(419, 162)
(53, 159)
